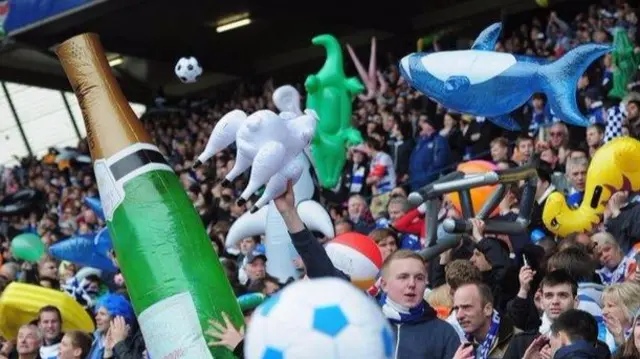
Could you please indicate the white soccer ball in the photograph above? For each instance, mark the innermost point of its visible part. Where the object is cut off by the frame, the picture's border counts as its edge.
(326, 318)
(188, 69)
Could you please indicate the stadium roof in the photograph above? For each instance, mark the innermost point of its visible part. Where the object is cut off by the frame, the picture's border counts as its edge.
(149, 36)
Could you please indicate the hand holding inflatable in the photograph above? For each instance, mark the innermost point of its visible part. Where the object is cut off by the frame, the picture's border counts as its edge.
(614, 168)
(329, 93)
(461, 80)
(223, 135)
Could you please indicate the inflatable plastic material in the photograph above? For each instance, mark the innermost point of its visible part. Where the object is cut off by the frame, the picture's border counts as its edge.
(20, 303)
(625, 63)
(323, 318)
(19, 203)
(250, 301)
(356, 255)
(102, 241)
(95, 205)
(479, 195)
(27, 246)
(163, 249)
(223, 135)
(83, 250)
(269, 144)
(373, 79)
(461, 80)
(329, 93)
(268, 221)
(614, 167)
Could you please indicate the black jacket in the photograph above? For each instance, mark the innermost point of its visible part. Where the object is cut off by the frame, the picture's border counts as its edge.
(500, 266)
(625, 228)
(132, 347)
(521, 342)
(314, 256)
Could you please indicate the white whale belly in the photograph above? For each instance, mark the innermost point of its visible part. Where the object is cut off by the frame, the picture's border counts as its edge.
(477, 66)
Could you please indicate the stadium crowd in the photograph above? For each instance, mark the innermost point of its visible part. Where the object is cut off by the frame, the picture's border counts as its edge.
(509, 296)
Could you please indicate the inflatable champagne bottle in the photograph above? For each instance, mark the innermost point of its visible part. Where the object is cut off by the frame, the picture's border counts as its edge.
(174, 278)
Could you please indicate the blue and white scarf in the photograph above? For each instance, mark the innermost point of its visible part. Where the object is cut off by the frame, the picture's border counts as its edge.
(486, 345)
(398, 314)
(608, 277)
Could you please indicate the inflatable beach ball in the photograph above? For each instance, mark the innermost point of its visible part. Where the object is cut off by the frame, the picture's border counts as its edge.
(325, 318)
(357, 256)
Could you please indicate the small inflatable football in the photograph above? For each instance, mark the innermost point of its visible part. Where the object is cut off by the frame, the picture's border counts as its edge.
(188, 69)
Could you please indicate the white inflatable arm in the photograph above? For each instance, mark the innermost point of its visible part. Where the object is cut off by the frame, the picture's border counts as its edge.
(249, 224)
(316, 218)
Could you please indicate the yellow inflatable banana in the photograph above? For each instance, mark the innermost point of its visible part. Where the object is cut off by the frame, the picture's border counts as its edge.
(20, 303)
(614, 167)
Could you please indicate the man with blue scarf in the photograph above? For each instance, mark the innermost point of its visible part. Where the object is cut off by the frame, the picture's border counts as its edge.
(488, 334)
(418, 331)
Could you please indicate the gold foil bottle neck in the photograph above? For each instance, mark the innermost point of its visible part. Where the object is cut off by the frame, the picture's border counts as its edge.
(110, 122)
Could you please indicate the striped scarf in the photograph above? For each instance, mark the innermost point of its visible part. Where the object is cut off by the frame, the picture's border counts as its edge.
(398, 314)
(485, 347)
(608, 277)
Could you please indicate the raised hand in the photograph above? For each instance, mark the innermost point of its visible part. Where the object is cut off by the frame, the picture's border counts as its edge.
(227, 335)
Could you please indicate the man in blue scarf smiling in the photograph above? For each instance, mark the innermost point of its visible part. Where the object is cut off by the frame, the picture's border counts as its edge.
(419, 333)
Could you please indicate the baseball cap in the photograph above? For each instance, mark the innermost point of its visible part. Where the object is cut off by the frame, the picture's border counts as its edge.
(255, 254)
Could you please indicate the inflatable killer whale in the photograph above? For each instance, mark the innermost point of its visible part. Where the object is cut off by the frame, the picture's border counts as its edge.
(491, 84)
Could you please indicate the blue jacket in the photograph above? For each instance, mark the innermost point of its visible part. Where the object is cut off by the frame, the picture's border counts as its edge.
(426, 337)
(579, 350)
(430, 155)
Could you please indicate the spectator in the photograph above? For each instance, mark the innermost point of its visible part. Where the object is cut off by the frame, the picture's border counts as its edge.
(404, 280)
(430, 155)
(483, 326)
(75, 345)
(50, 324)
(28, 342)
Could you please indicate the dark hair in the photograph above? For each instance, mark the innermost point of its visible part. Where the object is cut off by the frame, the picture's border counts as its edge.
(93, 278)
(50, 309)
(375, 144)
(559, 277)
(575, 261)
(599, 127)
(522, 138)
(80, 340)
(55, 284)
(577, 325)
(460, 272)
(544, 171)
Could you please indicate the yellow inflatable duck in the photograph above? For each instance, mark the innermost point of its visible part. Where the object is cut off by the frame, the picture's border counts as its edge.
(614, 167)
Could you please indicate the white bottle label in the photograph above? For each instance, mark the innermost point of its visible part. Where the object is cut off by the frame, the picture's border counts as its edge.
(171, 329)
(111, 193)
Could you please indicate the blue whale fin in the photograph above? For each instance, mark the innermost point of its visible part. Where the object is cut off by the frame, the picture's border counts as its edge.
(457, 84)
(558, 80)
(488, 38)
(505, 121)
